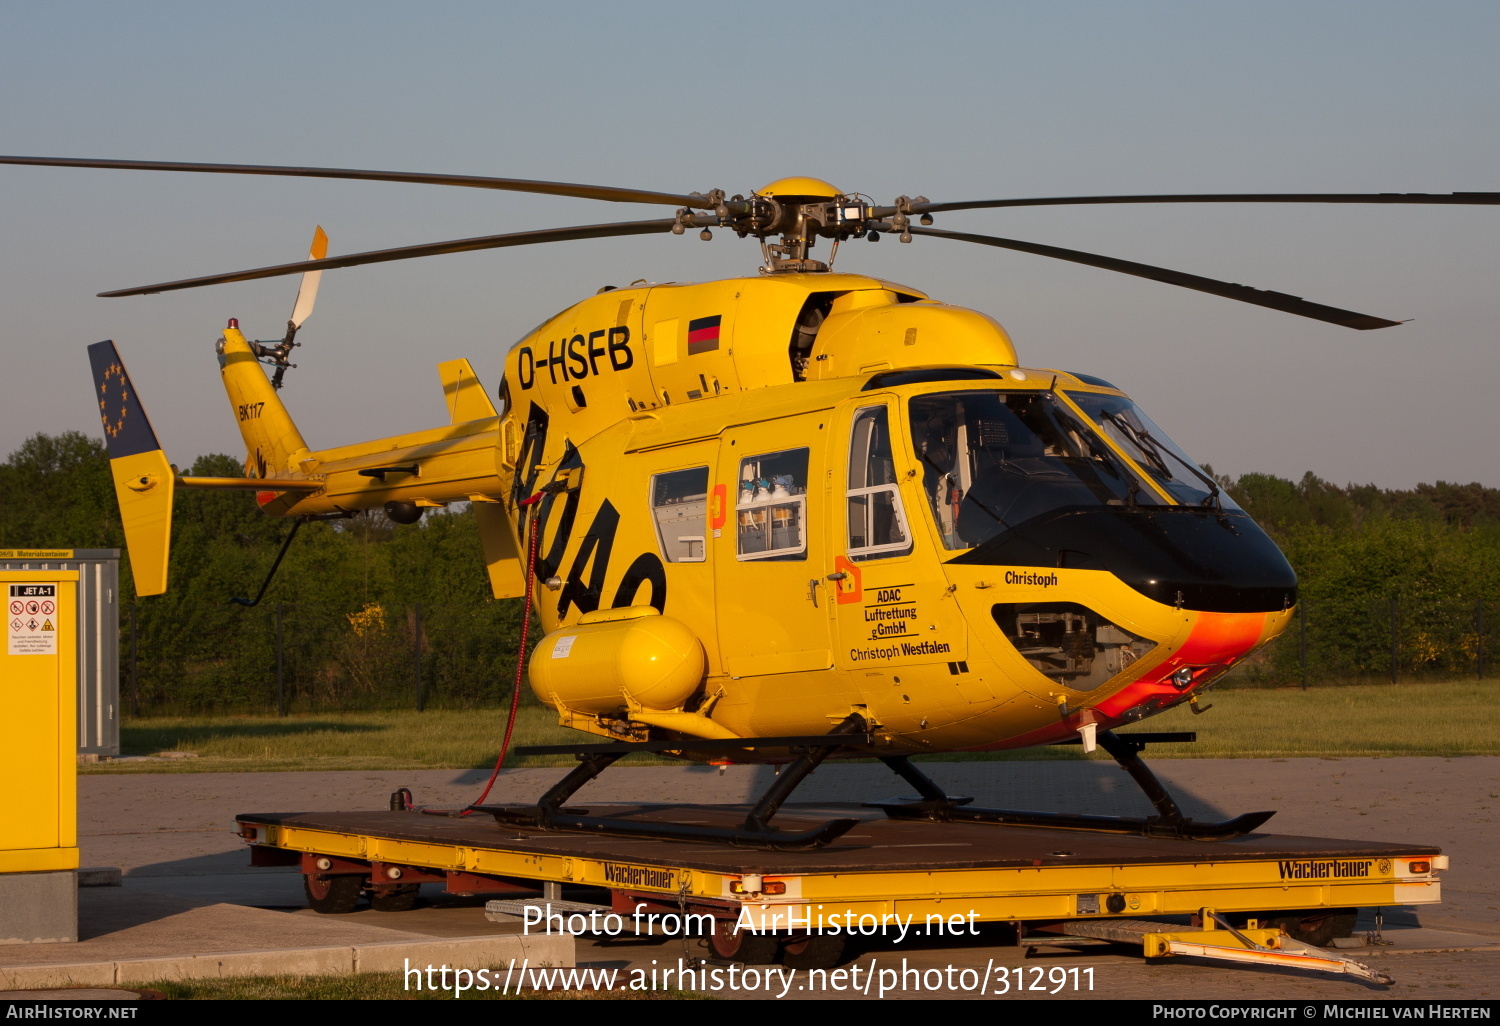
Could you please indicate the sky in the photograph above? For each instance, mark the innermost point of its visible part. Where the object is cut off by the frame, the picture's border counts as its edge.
(945, 99)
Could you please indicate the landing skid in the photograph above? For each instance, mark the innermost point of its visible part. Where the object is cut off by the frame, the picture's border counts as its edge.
(551, 813)
(935, 804)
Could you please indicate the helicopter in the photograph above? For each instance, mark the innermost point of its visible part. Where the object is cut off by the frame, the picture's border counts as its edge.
(798, 514)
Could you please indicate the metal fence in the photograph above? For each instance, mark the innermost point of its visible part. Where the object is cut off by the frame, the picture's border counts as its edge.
(1387, 640)
(284, 657)
(280, 658)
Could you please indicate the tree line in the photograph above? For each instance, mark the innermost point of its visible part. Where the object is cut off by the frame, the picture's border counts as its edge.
(1393, 583)
(362, 613)
(366, 614)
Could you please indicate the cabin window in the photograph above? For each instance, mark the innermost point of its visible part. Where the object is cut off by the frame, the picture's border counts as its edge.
(771, 508)
(877, 523)
(679, 507)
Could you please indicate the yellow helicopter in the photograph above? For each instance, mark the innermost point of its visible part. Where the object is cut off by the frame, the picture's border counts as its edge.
(793, 515)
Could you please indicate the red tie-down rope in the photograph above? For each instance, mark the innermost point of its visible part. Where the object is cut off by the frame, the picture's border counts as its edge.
(515, 694)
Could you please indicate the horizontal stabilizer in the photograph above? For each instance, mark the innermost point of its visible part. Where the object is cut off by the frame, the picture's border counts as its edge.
(249, 484)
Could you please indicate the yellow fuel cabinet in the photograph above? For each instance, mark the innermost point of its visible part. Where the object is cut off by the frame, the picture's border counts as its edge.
(38, 756)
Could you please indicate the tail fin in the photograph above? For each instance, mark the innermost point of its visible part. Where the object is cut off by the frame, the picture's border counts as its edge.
(273, 445)
(144, 480)
(466, 396)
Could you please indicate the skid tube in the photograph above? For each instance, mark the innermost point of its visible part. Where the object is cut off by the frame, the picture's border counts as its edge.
(935, 804)
(757, 831)
(549, 813)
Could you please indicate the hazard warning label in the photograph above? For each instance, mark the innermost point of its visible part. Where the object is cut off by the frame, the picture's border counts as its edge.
(31, 620)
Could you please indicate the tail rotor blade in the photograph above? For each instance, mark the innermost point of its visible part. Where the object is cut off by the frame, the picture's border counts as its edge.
(307, 292)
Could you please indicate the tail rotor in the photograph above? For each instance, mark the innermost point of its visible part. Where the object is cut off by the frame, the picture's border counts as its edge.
(307, 294)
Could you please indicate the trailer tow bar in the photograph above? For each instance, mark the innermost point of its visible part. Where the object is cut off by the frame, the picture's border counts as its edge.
(1253, 946)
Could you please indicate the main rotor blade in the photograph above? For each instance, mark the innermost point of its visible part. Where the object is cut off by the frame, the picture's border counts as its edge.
(1461, 198)
(1244, 293)
(586, 231)
(598, 192)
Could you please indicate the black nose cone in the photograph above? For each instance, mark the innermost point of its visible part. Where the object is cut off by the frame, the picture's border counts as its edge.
(1177, 555)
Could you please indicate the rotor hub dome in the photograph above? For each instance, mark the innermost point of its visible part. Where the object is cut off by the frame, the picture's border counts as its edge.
(800, 187)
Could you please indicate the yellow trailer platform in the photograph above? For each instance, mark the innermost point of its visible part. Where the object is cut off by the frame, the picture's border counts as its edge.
(882, 872)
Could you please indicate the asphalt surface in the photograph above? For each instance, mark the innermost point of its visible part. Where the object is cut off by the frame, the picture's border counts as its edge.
(171, 834)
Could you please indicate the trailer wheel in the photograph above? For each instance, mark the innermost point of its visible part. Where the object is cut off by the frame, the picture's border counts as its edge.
(332, 895)
(1319, 931)
(813, 952)
(733, 945)
(400, 898)
(1312, 927)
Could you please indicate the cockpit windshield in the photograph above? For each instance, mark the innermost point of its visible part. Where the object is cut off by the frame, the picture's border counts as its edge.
(992, 460)
(1152, 450)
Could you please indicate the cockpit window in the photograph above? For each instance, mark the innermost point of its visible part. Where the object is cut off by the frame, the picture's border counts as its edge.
(1152, 450)
(877, 523)
(992, 460)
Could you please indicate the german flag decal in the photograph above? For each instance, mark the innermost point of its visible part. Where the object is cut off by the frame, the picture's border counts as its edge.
(703, 335)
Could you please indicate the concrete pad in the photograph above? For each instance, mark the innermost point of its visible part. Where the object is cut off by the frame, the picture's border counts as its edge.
(446, 916)
(218, 965)
(1424, 941)
(130, 925)
(64, 974)
(39, 908)
(135, 936)
(466, 953)
(279, 888)
(394, 957)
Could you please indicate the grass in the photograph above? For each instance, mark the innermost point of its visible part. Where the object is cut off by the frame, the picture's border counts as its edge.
(1352, 720)
(436, 739)
(1378, 720)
